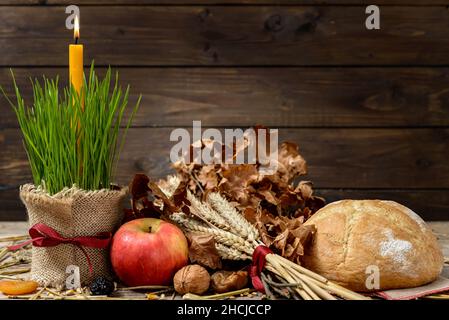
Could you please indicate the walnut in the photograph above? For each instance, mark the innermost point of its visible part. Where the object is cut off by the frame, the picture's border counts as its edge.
(191, 279)
(225, 281)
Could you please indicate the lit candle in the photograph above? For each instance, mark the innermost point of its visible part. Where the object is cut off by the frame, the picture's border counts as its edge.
(76, 59)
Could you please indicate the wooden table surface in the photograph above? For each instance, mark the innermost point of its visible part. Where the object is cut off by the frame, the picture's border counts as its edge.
(440, 228)
(20, 228)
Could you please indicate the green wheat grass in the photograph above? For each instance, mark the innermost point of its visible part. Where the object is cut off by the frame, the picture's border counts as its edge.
(70, 138)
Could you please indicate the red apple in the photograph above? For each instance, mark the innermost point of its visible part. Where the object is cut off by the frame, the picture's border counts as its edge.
(148, 252)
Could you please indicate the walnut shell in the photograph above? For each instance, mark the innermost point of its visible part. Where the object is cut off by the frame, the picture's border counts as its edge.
(225, 281)
(191, 279)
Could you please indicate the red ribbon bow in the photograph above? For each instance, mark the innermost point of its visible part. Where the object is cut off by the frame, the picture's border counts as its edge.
(45, 236)
(257, 266)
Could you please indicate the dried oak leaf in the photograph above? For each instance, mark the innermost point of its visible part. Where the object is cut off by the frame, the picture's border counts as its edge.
(141, 206)
(286, 236)
(290, 163)
(179, 198)
(265, 190)
(202, 250)
(225, 281)
(186, 172)
(258, 220)
(291, 242)
(250, 214)
(313, 203)
(208, 176)
(139, 186)
(237, 180)
(168, 206)
(305, 189)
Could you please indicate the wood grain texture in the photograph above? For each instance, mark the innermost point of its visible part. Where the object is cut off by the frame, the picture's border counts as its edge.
(338, 158)
(21, 2)
(370, 109)
(12, 207)
(227, 35)
(430, 204)
(276, 97)
(214, 2)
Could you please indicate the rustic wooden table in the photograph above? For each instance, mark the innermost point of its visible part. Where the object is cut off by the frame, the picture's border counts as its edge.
(441, 230)
(8, 229)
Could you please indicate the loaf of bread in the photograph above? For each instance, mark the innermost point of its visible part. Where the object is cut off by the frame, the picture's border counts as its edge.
(355, 238)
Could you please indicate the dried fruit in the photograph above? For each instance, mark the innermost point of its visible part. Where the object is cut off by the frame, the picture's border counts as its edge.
(18, 287)
(225, 281)
(101, 287)
(191, 279)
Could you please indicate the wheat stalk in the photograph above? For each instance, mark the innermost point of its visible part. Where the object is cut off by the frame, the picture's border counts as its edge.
(237, 222)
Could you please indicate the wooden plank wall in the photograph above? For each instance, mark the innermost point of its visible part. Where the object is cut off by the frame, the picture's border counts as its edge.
(370, 109)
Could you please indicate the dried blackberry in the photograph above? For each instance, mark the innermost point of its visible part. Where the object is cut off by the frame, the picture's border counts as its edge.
(101, 287)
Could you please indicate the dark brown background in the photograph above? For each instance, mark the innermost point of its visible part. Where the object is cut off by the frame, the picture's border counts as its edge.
(369, 109)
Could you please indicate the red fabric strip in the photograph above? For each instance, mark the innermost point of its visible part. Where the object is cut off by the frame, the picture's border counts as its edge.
(257, 266)
(45, 236)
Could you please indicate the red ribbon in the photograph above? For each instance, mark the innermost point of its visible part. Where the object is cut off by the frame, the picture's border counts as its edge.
(45, 236)
(257, 266)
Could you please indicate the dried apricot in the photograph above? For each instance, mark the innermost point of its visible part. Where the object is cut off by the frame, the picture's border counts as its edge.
(17, 287)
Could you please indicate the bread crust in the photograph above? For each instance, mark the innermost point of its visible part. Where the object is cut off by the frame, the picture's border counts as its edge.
(353, 235)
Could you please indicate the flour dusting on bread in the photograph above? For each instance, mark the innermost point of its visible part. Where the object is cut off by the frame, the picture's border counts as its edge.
(395, 249)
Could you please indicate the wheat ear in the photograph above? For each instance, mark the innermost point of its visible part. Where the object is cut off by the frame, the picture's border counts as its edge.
(204, 211)
(224, 251)
(230, 253)
(221, 236)
(233, 217)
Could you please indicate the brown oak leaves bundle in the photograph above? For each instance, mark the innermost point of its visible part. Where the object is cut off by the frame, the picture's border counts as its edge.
(276, 204)
(247, 187)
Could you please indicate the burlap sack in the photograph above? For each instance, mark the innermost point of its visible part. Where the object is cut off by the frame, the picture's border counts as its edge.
(72, 212)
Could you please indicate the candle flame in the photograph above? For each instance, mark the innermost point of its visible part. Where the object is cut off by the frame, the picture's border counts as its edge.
(76, 29)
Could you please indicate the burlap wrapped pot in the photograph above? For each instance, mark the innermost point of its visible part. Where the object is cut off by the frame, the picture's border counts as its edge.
(72, 212)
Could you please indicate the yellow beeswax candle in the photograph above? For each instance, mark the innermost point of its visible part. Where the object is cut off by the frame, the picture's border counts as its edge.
(76, 71)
